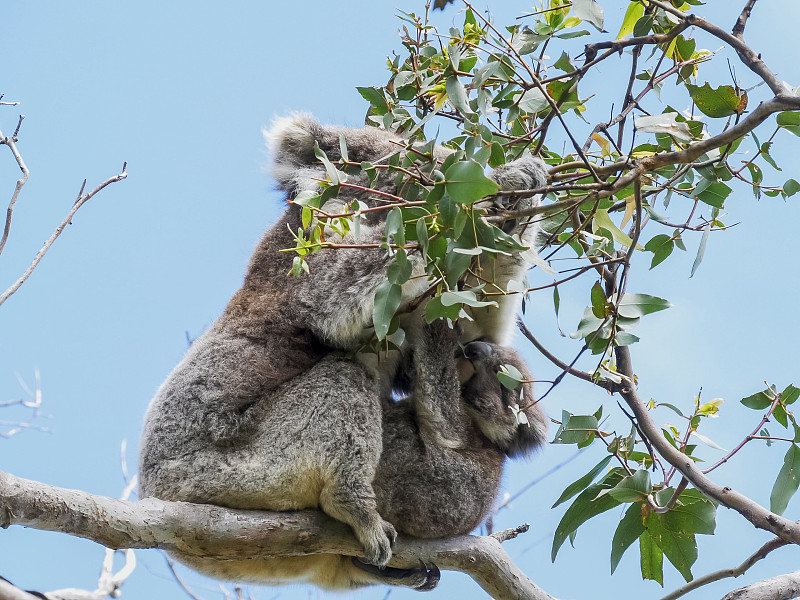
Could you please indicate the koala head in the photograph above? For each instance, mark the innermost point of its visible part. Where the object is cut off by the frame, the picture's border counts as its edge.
(291, 142)
(493, 406)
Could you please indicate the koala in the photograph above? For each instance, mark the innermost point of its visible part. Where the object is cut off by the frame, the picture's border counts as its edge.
(275, 326)
(427, 466)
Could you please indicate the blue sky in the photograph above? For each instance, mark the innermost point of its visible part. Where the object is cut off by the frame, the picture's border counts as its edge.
(180, 91)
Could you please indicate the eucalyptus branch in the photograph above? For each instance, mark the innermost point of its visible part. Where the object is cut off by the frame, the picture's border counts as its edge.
(750, 437)
(11, 143)
(560, 363)
(81, 200)
(741, 22)
(698, 582)
(725, 495)
(226, 534)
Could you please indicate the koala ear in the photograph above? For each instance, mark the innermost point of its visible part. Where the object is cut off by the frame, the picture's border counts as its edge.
(290, 141)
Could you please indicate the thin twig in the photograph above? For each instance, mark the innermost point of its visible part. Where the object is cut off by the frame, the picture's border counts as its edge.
(758, 555)
(10, 142)
(82, 199)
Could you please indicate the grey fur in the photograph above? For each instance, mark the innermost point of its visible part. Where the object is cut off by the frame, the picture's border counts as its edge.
(204, 431)
(312, 446)
(277, 326)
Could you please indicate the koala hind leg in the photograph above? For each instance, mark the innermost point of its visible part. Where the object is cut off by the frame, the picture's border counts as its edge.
(351, 500)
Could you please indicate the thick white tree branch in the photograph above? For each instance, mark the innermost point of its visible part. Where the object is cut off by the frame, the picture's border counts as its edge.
(215, 532)
(782, 587)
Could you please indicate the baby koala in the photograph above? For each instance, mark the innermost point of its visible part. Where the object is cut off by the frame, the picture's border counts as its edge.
(312, 446)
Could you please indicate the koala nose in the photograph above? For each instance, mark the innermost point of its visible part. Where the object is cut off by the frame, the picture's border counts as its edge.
(477, 350)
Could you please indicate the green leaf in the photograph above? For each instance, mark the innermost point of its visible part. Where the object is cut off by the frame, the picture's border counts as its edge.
(791, 187)
(679, 548)
(787, 481)
(589, 11)
(399, 270)
(622, 338)
(395, 229)
(580, 484)
(758, 401)
(387, 301)
(334, 174)
(715, 102)
(586, 506)
(510, 377)
(633, 488)
(533, 101)
(598, 301)
(376, 98)
(497, 156)
(634, 13)
(602, 220)
(564, 63)
(661, 246)
(627, 532)
(790, 394)
(790, 121)
(457, 95)
(701, 250)
(637, 305)
(434, 309)
(422, 235)
(466, 182)
(576, 429)
(714, 194)
(652, 559)
(467, 297)
(693, 514)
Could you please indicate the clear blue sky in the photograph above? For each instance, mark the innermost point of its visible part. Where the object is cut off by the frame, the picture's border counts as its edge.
(180, 90)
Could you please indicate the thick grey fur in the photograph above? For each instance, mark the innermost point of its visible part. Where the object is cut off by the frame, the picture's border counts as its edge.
(277, 326)
(428, 466)
(210, 412)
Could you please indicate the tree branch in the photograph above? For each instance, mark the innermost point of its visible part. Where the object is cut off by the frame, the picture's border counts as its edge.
(81, 200)
(782, 587)
(758, 555)
(226, 534)
(750, 510)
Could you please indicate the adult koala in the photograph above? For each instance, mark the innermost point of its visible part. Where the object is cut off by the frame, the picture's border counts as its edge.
(277, 326)
(427, 466)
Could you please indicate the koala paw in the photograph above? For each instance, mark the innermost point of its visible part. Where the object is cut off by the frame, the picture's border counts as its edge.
(377, 542)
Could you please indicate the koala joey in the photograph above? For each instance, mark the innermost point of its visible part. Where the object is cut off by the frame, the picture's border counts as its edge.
(277, 326)
(427, 466)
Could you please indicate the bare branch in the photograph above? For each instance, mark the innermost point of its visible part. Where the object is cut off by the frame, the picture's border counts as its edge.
(215, 532)
(11, 143)
(8, 591)
(82, 199)
(758, 555)
(741, 22)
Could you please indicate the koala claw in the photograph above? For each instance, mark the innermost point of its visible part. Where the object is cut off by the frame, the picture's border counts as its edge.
(422, 578)
(378, 544)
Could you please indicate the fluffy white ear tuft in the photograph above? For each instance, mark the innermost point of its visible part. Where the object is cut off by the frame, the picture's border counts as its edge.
(290, 141)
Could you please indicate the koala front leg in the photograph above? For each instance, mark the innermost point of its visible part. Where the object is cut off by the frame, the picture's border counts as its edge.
(437, 390)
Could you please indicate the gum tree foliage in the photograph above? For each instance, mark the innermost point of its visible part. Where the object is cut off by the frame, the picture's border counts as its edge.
(653, 179)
